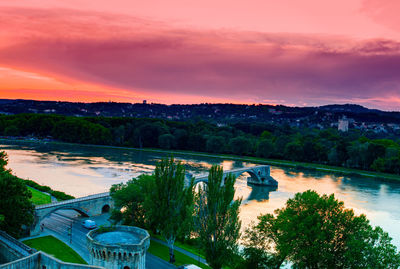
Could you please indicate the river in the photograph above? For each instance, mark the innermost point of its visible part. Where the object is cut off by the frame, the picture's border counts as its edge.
(82, 170)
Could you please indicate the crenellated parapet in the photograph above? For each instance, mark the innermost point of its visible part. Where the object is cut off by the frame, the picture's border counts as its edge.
(118, 247)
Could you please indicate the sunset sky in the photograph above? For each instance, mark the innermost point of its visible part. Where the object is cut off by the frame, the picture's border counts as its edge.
(292, 52)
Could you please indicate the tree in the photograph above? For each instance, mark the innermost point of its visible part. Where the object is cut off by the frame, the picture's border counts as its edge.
(215, 144)
(265, 148)
(131, 201)
(167, 141)
(217, 218)
(315, 231)
(240, 145)
(171, 206)
(294, 151)
(15, 204)
(3, 160)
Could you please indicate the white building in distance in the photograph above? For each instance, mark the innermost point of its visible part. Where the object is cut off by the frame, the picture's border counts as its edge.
(343, 124)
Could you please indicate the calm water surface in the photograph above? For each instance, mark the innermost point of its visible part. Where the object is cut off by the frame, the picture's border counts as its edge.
(84, 170)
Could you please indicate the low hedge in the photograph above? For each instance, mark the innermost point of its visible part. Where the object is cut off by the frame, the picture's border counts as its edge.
(59, 195)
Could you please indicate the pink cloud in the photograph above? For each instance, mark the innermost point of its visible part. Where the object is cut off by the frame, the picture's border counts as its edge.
(140, 55)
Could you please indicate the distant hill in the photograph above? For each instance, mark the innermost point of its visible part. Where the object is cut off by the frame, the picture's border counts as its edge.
(318, 117)
(348, 108)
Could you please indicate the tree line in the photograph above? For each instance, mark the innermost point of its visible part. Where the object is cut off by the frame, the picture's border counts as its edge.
(310, 231)
(353, 149)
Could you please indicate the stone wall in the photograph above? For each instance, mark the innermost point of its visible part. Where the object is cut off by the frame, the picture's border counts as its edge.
(11, 249)
(41, 260)
(118, 256)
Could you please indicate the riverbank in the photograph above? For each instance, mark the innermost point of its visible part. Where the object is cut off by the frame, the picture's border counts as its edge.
(274, 162)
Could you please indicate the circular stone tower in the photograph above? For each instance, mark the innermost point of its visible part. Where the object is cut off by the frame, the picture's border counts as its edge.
(118, 247)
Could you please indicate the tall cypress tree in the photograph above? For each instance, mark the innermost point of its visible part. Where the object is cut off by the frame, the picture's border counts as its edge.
(172, 202)
(217, 218)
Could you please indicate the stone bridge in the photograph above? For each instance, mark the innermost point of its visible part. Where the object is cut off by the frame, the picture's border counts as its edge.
(259, 175)
(87, 206)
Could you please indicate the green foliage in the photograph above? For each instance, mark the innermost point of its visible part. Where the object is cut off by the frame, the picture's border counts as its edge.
(162, 252)
(315, 231)
(76, 130)
(3, 160)
(294, 151)
(55, 247)
(353, 149)
(166, 141)
(216, 144)
(38, 197)
(171, 203)
(265, 148)
(217, 218)
(131, 201)
(59, 195)
(240, 145)
(15, 204)
(11, 131)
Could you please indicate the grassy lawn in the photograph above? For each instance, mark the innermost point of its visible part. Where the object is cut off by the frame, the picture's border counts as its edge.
(38, 197)
(188, 247)
(56, 248)
(162, 252)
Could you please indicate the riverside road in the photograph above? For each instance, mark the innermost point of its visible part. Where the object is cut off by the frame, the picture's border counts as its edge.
(66, 225)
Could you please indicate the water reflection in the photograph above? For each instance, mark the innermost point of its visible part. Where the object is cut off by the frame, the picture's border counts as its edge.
(260, 193)
(84, 170)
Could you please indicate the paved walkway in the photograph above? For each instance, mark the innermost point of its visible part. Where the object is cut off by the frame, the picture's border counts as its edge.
(183, 251)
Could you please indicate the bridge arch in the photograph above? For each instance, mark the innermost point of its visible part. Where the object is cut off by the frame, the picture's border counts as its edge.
(80, 210)
(254, 176)
(105, 209)
(259, 175)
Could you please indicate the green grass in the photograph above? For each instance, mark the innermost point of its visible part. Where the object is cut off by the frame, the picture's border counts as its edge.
(56, 248)
(162, 252)
(38, 197)
(188, 247)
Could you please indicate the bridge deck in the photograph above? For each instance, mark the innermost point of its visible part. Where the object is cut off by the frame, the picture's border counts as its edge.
(233, 171)
(66, 202)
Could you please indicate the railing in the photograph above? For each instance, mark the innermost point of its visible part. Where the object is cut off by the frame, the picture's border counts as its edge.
(66, 202)
(15, 244)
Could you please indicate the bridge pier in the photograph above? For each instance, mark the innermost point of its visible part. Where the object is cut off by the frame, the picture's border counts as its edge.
(259, 175)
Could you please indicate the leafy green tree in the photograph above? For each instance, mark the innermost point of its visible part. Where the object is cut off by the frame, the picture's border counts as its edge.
(217, 218)
(215, 144)
(315, 231)
(196, 142)
(119, 134)
(265, 148)
(181, 138)
(374, 151)
(11, 131)
(294, 151)
(131, 201)
(16, 209)
(167, 141)
(15, 204)
(3, 160)
(240, 145)
(148, 133)
(171, 206)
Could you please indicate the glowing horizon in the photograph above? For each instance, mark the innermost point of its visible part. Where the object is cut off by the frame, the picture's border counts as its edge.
(306, 53)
